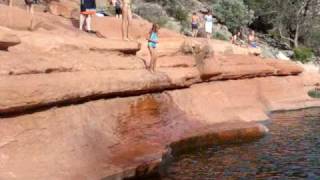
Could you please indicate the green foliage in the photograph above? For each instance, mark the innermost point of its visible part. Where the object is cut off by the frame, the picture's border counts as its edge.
(234, 13)
(314, 93)
(313, 41)
(274, 35)
(181, 14)
(220, 36)
(161, 21)
(302, 54)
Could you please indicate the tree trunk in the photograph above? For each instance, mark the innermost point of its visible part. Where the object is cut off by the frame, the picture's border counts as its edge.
(296, 37)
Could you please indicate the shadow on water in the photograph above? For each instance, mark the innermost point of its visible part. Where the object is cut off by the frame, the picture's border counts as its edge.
(290, 151)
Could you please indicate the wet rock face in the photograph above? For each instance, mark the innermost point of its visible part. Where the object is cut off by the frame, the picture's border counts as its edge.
(116, 138)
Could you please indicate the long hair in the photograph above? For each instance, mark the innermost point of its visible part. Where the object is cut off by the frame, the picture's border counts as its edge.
(155, 28)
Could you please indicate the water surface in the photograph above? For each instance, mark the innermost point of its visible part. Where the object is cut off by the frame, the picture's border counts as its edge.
(290, 151)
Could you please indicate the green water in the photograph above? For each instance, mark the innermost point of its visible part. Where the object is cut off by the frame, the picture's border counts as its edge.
(290, 151)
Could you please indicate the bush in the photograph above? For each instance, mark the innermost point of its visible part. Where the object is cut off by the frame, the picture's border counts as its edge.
(234, 13)
(181, 14)
(161, 21)
(302, 54)
(220, 36)
(314, 93)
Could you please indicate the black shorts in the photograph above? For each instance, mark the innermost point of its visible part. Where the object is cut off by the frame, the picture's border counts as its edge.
(118, 10)
(29, 2)
(194, 26)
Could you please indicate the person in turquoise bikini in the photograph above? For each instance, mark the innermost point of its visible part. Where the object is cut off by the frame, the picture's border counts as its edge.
(153, 41)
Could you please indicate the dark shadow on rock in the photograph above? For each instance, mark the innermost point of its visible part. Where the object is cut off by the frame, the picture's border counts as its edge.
(75, 22)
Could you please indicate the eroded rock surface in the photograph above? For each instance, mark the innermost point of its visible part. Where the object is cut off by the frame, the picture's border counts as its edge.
(103, 139)
(8, 39)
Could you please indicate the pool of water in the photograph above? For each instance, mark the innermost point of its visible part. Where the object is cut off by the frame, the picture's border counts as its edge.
(290, 151)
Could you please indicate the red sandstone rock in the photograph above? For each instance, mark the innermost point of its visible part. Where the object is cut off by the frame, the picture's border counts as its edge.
(44, 89)
(59, 65)
(67, 9)
(108, 139)
(285, 67)
(14, 18)
(8, 39)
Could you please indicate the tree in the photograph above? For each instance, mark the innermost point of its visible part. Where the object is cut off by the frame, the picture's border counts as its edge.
(292, 19)
(233, 13)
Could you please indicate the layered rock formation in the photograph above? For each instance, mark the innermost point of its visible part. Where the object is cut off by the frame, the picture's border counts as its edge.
(76, 106)
(7, 39)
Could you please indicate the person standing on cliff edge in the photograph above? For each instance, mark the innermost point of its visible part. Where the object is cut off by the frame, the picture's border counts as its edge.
(126, 19)
(87, 9)
(29, 4)
(153, 41)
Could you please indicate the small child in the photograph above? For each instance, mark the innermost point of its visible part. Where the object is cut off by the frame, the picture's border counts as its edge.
(153, 41)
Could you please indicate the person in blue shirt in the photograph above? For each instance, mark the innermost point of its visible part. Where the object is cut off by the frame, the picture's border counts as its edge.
(153, 41)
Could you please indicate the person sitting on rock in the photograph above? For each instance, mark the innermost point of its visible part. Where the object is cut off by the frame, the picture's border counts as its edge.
(194, 24)
(236, 39)
(126, 19)
(87, 8)
(252, 39)
(153, 41)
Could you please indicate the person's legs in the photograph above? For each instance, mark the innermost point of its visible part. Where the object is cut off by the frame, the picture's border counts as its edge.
(150, 62)
(153, 62)
(82, 18)
(193, 32)
(88, 22)
(129, 16)
(31, 9)
(124, 23)
(31, 13)
(28, 8)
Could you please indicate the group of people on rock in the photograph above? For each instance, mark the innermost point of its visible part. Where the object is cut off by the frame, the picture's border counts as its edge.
(207, 21)
(123, 11)
(197, 22)
(237, 39)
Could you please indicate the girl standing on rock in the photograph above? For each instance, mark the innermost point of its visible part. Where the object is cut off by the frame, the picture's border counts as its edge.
(153, 41)
(88, 8)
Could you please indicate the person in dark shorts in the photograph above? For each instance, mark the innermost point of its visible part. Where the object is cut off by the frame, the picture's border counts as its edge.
(118, 9)
(29, 4)
(194, 24)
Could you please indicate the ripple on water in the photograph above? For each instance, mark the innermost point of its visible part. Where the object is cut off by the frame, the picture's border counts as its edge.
(290, 151)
